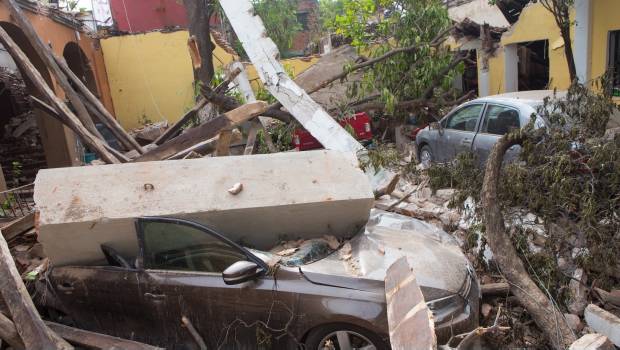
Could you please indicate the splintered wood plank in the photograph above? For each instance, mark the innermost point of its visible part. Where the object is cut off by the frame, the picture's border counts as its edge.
(205, 131)
(410, 322)
(17, 226)
(264, 54)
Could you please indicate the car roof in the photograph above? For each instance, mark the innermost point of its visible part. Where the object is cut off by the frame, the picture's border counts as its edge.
(532, 98)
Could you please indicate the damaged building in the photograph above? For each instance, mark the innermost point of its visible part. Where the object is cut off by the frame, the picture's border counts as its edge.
(31, 140)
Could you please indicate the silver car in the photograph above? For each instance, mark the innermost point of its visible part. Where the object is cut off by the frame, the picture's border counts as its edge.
(476, 125)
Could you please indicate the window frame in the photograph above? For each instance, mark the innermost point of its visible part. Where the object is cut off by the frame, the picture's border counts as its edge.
(484, 114)
(458, 109)
(611, 56)
(139, 223)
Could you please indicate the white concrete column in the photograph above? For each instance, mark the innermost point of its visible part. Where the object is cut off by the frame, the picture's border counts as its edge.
(484, 78)
(484, 88)
(511, 68)
(583, 43)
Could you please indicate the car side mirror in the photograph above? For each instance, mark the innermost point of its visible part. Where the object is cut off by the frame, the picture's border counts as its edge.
(241, 271)
(436, 126)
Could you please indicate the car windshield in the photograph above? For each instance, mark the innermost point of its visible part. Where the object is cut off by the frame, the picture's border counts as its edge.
(297, 253)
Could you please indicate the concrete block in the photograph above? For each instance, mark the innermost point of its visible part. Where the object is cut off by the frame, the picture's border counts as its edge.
(592, 341)
(603, 322)
(285, 195)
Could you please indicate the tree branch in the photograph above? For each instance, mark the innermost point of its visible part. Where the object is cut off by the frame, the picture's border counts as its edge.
(543, 310)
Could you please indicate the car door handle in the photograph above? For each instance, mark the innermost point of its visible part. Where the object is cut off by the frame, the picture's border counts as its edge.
(466, 141)
(155, 296)
(65, 287)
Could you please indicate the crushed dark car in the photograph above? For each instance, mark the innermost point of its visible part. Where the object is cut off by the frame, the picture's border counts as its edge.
(319, 294)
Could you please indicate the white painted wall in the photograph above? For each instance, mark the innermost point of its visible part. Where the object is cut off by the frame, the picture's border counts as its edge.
(583, 33)
(511, 68)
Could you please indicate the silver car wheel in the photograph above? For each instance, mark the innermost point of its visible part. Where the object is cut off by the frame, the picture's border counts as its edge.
(425, 157)
(346, 340)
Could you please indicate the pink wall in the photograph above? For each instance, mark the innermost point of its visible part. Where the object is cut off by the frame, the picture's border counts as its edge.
(147, 15)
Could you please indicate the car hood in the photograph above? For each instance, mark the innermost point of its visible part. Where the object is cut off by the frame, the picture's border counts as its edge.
(438, 262)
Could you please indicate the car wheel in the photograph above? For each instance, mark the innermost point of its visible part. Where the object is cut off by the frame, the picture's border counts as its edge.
(343, 337)
(426, 155)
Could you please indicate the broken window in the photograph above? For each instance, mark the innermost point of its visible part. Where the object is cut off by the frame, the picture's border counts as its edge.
(169, 246)
(614, 60)
(500, 120)
(533, 65)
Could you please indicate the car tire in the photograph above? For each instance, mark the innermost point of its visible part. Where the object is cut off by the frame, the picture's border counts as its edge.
(357, 336)
(426, 155)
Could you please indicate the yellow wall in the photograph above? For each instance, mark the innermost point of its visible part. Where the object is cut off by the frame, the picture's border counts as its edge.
(535, 23)
(151, 75)
(605, 17)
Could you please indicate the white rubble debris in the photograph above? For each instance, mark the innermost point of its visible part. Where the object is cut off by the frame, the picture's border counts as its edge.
(592, 341)
(603, 322)
(578, 292)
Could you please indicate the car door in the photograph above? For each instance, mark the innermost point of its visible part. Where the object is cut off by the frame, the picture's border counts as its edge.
(183, 263)
(107, 299)
(457, 132)
(498, 120)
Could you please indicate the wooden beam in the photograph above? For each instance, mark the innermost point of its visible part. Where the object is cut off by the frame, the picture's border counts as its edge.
(33, 332)
(251, 140)
(205, 131)
(223, 143)
(49, 110)
(40, 84)
(205, 147)
(92, 340)
(94, 106)
(176, 128)
(18, 226)
(46, 55)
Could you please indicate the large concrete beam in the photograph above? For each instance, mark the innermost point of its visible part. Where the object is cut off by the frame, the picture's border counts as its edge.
(285, 195)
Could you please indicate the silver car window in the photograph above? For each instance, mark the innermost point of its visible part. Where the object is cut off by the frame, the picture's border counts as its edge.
(500, 120)
(465, 118)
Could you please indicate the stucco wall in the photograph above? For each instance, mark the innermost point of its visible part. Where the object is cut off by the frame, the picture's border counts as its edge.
(605, 18)
(151, 75)
(535, 23)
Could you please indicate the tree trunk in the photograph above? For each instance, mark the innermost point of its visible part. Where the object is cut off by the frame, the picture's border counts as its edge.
(568, 52)
(543, 311)
(199, 12)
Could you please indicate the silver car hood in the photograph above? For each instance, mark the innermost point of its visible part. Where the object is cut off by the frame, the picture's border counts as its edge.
(437, 260)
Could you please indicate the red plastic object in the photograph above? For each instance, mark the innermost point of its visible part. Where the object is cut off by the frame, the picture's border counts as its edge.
(415, 132)
(360, 122)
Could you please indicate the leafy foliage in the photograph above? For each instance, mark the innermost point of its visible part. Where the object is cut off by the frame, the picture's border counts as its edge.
(329, 10)
(376, 27)
(280, 19)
